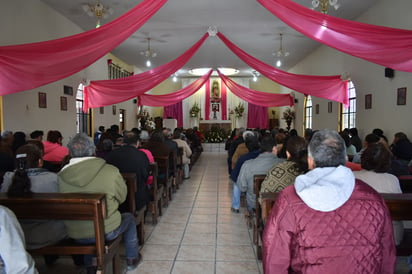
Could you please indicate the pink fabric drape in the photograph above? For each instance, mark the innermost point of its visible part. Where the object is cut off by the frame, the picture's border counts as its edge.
(224, 101)
(327, 87)
(257, 116)
(174, 97)
(27, 66)
(174, 111)
(385, 46)
(256, 97)
(108, 92)
(207, 100)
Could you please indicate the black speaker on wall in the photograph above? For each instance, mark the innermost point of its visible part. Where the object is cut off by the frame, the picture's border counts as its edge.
(134, 101)
(389, 73)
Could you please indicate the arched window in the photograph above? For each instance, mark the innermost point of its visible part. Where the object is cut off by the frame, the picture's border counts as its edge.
(348, 115)
(83, 120)
(308, 112)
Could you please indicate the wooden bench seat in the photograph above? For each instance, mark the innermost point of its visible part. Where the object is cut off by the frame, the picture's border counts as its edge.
(400, 206)
(155, 205)
(131, 182)
(69, 206)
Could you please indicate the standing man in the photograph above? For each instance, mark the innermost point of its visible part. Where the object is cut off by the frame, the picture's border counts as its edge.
(328, 221)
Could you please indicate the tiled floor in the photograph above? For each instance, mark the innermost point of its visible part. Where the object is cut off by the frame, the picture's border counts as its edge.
(197, 232)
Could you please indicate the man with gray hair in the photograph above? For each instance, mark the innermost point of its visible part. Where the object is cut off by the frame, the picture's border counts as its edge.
(328, 221)
(86, 173)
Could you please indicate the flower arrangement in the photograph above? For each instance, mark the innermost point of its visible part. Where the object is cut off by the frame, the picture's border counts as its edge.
(289, 115)
(215, 135)
(143, 115)
(150, 124)
(239, 110)
(194, 111)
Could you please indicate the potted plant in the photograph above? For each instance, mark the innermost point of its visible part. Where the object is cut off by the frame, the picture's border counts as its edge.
(239, 110)
(289, 115)
(194, 110)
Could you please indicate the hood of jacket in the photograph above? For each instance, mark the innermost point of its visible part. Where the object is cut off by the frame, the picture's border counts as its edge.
(325, 189)
(81, 171)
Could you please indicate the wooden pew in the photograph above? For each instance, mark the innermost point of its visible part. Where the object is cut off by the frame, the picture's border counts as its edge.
(179, 167)
(69, 206)
(400, 206)
(173, 177)
(131, 182)
(163, 178)
(406, 183)
(257, 183)
(156, 203)
(267, 200)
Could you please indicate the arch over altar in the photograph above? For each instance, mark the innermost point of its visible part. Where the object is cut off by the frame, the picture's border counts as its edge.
(216, 107)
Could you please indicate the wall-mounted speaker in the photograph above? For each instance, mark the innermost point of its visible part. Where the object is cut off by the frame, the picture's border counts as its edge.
(296, 101)
(389, 73)
(134, 101)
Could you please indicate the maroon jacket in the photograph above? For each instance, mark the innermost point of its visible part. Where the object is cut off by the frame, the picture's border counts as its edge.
(355, 238)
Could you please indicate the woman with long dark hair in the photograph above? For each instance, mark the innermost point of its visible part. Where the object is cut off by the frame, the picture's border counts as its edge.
(28, 177)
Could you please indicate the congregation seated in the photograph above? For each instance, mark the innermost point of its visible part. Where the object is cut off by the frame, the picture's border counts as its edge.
(104, 145)
(241, 148)
(156, 144)
(252, 143)
(19, 139)
(401, 149)
(309, 221)
(31, 177)
(128, 158)
(259, 165)
(88, 174)
(376, 161)
(283, 174)
(187, 152)
(13, 255)
(54, 151)
(173, 147)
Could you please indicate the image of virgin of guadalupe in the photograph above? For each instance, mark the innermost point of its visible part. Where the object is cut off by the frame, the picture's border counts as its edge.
(215, 90)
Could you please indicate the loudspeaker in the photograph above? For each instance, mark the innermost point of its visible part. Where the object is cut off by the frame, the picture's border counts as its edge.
(134, 101)
(389, 73)
(296, 101)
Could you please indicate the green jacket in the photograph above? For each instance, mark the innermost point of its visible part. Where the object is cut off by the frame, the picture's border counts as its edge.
(93, 175)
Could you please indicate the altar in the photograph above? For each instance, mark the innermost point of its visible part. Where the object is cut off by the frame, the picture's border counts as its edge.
(205, 125)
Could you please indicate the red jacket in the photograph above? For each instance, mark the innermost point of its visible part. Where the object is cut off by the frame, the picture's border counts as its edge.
(357, 237)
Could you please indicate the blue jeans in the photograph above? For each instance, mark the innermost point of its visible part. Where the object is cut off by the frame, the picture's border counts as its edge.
(128, 228)
(235, 196)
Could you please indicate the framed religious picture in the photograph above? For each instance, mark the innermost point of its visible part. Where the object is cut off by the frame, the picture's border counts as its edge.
(215, 107)
(68, 90)
(101, 110)
(401, 99)
(114, 110)
(63, 103)
(368, 101)
(42, 100)
(317, 109)
(330, 104)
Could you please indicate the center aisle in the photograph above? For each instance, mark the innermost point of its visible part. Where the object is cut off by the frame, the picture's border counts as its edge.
(197, 232)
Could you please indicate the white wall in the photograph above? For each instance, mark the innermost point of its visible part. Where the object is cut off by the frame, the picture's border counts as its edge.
(367, 77)
(32, 21)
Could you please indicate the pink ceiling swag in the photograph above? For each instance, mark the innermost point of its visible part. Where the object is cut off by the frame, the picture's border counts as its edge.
(27, 66)
(385, 46)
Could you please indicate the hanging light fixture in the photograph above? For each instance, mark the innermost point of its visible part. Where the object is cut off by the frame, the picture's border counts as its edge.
(323, 5)
(255, 75)
(148, 53)
(97, 10)
(280, 53)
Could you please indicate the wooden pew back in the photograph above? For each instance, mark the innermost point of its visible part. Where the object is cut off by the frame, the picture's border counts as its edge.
(68, 206)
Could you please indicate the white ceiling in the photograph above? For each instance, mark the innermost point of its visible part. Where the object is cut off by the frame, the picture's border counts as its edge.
(180, 23)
